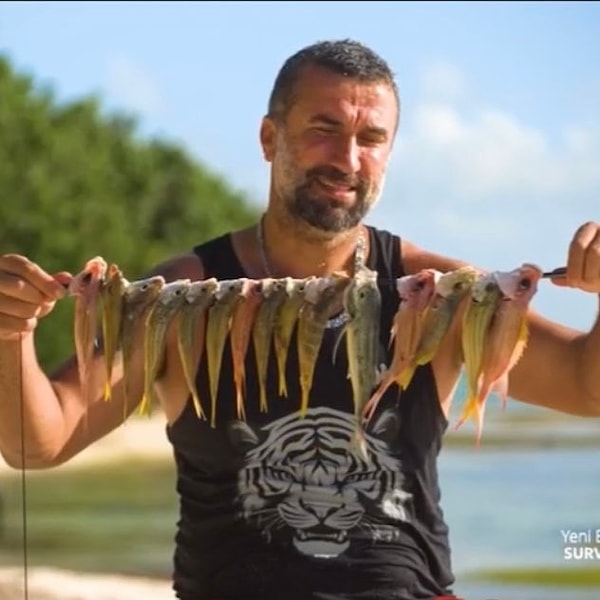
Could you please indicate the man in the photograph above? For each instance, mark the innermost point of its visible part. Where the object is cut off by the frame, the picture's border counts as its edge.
(274, 506)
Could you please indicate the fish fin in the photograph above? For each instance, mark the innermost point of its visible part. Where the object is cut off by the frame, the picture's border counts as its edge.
(469, 410)
(304, 400)
(338, 338)
(198, 405)
(358, 442)
(500, 387)
(107, 391)
(145, 405)
(406, 375)
(373, 401)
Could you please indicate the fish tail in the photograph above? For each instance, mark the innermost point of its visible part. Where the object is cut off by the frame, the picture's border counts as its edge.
(107, 395)
(145, 404)
(406, 375)
(470, 409)
(239, 404)
(304, 399)
(358, 443)
(264, 405)
(282, 379)
(373, 401)
(197, 405)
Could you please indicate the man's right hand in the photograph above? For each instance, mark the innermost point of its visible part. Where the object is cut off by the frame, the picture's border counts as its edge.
(27, 293)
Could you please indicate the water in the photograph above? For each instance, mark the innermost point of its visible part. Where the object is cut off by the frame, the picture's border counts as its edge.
(507, 509)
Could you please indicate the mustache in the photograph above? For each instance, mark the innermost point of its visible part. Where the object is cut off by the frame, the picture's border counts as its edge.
(334, 174)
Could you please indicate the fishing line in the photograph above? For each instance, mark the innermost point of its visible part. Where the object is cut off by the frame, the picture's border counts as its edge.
(23, 477)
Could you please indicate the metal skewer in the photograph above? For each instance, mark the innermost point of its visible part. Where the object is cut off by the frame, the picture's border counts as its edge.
(558, 272)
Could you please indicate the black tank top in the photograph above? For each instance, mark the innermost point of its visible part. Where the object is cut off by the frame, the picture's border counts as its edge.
(275, 507)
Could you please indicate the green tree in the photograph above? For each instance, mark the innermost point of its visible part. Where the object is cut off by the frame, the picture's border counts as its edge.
(76, 183)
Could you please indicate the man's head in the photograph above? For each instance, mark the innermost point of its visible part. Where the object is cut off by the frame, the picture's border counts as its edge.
(332, 117)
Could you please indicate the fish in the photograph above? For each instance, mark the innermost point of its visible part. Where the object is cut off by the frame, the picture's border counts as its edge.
(416, 293)
(284, 327)
(227, 297)
(111, 294)
(451, 289)
(506, 338)
(274, 293)
(486, 296)
(191, 330)
(138, 299)
(157, 321)
(362, 303)
(242, 322)
(86, 287)
(320, 297)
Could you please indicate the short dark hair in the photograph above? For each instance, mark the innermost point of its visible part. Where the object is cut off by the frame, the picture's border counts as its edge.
(345, 57)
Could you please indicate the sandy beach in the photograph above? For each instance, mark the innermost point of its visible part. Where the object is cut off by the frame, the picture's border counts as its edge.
(136, 437)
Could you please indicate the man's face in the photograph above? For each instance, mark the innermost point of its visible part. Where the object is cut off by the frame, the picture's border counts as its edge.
(330, 152)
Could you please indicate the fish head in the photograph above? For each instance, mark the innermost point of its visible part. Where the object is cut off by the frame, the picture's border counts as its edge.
(417, 289)
(314, 287)
(229, 287)
(456, 283)
(144, 290)
(89, 279)
(198, 290)
(114, 282)
(362, 295)
(249, 287)
(485, 288)
(520, 284)
(266, 286)
(299, 285)
(174, 292)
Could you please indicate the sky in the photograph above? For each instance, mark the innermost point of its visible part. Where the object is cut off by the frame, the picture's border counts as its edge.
(497, 160)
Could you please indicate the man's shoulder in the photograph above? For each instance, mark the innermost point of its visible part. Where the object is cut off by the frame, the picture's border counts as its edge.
(415, 257)
(189, 263)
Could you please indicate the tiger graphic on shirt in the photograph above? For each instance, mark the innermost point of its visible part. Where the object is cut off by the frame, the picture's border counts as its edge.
(300, 481)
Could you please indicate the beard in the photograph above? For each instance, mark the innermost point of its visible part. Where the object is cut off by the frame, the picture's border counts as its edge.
(329, 214)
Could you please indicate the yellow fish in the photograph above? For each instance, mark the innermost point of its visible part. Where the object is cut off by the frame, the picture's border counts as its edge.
(274, 292)
(191, 329)
(138, 299)
(485, 299)
(451, 288)
(112, 293)
(242, 322)
(320, 297)
(284, 327)
(85, 287)
(227, 297)
(416, 293)
(168, 302)
(506, 337)
(362, 303)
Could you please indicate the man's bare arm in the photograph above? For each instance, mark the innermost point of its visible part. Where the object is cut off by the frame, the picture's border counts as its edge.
(56, 422)
(560, 367)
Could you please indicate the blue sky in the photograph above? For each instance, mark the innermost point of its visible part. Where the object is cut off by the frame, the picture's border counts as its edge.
(498, 154)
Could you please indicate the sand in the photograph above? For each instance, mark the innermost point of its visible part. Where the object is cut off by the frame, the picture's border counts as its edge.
(137, 437)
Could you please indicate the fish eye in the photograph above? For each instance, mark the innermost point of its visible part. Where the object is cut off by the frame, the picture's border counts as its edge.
(420, 284)
(525, 283)
(490, 287)
(458, 286)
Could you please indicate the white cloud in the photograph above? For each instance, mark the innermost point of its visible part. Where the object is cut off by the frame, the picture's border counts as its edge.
(132, 86)
(480, 184)
(443, 80)
(485, 153)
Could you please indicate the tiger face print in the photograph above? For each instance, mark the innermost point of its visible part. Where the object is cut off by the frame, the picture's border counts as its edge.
(301, 483)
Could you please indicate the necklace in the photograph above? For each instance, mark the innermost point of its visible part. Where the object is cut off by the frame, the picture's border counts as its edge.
(359, 258)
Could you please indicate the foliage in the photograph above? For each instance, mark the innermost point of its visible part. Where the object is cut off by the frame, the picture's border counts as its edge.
(76, 183)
